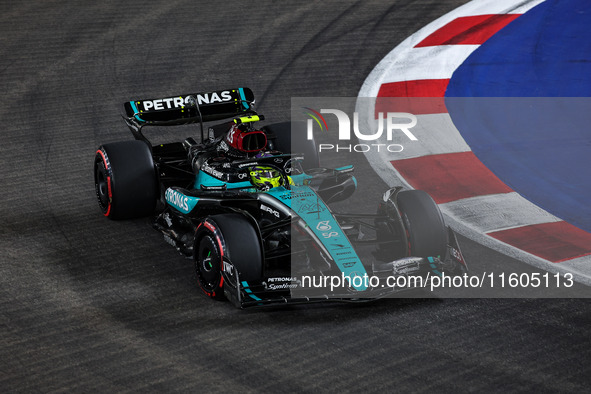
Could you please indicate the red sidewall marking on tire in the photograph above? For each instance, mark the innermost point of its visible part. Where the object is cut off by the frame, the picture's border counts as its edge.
(109, 190)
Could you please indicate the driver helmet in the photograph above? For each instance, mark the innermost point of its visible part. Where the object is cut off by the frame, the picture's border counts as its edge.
(242, 140)
(266, 178)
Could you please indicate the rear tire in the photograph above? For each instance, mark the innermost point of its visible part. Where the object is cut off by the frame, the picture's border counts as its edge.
(125, 180)
(229, 237)
(288, 139)
(424, 225)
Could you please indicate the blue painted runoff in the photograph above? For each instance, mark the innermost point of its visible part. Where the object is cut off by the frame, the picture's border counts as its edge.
(522, 101)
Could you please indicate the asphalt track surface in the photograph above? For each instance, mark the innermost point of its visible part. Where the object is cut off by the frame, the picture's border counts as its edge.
(91, 305)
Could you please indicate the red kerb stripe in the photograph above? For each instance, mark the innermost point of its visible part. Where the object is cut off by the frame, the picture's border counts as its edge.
(468, 30)
(424, 96)
(555, 242)
(451, 176)
(417, 88)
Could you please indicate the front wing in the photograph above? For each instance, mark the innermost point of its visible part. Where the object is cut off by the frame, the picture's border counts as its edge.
(394, 279)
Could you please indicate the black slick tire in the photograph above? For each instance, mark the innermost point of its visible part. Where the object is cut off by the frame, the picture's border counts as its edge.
(125, 180)
(226, 242)
(423, 222)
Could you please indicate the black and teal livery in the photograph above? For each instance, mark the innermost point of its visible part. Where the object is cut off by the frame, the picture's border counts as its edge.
(253, 245)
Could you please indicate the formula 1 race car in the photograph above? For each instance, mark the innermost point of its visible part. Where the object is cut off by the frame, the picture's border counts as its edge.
(250, 207)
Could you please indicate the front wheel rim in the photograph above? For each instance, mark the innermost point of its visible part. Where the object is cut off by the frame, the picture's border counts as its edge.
(208, 264)
(101, 185)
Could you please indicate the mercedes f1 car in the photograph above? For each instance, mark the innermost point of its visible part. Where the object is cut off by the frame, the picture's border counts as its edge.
(251, 207)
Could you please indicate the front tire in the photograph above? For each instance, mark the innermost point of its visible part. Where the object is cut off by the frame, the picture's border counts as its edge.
(226, 242)
(209, 265)
(125, 180)
(424, 225)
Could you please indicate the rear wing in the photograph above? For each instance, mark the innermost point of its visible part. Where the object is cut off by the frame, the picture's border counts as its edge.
(190, 108)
